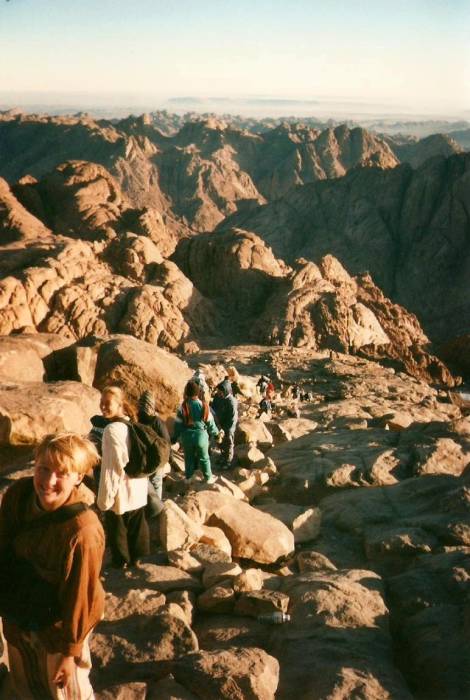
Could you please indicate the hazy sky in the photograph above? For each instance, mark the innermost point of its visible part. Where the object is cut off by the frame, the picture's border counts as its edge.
(406, 52)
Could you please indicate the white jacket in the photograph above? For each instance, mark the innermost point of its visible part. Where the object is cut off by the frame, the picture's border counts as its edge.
(116, 491)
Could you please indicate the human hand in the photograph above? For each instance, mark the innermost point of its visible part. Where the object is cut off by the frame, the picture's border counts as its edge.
(64, 672)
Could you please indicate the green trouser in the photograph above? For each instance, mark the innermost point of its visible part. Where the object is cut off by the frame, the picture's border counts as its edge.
(196, 452)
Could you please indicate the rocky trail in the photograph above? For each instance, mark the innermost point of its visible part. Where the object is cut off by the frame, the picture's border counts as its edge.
(350, 512)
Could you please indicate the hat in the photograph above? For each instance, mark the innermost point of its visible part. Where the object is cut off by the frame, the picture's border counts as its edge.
(147, 403)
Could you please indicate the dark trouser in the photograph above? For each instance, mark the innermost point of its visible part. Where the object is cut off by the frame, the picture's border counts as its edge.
(227, 446)
(128, 536)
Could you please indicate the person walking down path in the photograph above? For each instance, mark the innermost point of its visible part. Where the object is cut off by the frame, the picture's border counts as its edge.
(122, 498)
(51, 551)
(194, 423)
(147, 414)
(225, 407)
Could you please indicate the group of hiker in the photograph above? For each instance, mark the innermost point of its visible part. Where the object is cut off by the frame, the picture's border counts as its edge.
(52, 542)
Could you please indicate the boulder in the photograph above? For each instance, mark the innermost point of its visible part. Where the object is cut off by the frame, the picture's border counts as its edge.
(138, 366)
(313, 561)
(262, 602)
(252, 534)
(19, 362)
(139, 641)
(186, 600)
(303, 522)
(177, 531)
(215, 573)
(215, 537)
(255, 432)
(249, 580)
(244, 673)
(217, 599)
(247, 454)
(29, 410)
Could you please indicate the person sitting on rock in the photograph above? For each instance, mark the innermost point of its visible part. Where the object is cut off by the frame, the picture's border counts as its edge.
(147, 414)
(122, 498)
(51, 551)
(226, 410)
(194, 423)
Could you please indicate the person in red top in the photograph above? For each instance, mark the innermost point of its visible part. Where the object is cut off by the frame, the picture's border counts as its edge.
(45, 522)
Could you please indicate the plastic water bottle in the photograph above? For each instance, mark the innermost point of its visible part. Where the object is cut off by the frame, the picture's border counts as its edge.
(274, 618)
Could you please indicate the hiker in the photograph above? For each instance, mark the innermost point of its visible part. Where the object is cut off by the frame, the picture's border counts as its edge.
(265, 407)
(296, 391)
(234, 379)
(51, 551)
(121, 497)
(147, 414)
(261, 384)
(270, 391)
(226, 411)
(200, 379)
(98, 424)
(195, 424)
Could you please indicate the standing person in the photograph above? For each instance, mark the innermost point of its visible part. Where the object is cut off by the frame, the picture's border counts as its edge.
(200, 379)
(194, 423)
(122, 498)
(234, 379)
(54, 547)
(261, 384)
(226, 410)
(147, 414)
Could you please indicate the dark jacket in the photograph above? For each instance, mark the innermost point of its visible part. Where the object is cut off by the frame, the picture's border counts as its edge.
(156, 423)
(225, 407)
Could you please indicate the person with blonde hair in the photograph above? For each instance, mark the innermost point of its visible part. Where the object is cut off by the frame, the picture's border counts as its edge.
(51, 551)
(122, 498)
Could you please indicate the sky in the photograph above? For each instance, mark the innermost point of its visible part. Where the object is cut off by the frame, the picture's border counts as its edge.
(397, 54)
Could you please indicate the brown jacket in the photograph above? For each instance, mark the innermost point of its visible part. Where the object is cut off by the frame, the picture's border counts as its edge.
(67, 554)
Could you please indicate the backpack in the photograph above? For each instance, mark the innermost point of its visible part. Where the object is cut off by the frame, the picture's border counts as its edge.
(187, 417)
(147, 452)
(26, 599)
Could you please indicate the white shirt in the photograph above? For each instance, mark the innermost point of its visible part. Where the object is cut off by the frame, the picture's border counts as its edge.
(117, 491)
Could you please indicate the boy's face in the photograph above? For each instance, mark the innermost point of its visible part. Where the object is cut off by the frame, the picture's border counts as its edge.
(52, 484)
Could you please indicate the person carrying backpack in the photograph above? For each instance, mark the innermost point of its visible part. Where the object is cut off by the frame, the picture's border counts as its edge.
(147, 415)
(51, 551)
(122, 498)
(194, 424)
(225, 407)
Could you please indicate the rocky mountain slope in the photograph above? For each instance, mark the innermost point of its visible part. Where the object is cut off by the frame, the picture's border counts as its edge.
(407, 228)
(202, 173)
(94, 266)
(349, 512)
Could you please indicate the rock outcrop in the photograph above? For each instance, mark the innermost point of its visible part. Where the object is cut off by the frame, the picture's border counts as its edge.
(388, 223)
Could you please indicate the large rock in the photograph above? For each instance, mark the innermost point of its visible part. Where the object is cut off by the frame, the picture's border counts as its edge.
(18, 362)
(29, 410)
(252, 534)
(245, 674)
(177, 531)
(130, 647)
(138, 366)
(303, 522)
